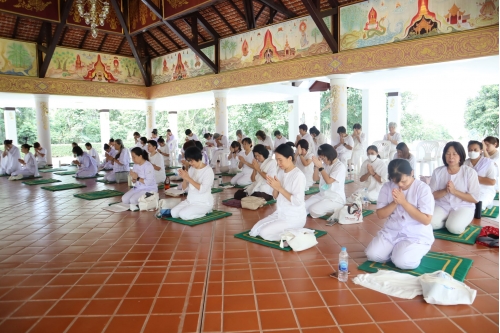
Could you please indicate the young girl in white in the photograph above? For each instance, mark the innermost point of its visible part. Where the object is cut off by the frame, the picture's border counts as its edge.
(157, 161)
(10, 158)
(331, 175)
(265, 140)
(487, 173)
(121, 161)
(407, 203)
(245, 164)
(40, 155)
(143, 178)
(109, 155)
(164, 151)
(288, 188)
(199, 179)
(455, 187)
(91, 151)
(373, 173)
(234, 161)
(263, 165)
(28, 167)
(87, 166)
(303, 157)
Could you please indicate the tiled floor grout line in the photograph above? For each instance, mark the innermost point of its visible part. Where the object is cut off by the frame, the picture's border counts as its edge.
(223, 276)
(203, 303)
(259, 322)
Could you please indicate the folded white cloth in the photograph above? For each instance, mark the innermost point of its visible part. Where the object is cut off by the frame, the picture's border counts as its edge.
(391, 283)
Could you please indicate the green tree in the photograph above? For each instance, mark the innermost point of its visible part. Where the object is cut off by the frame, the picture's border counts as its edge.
(481, 115)
(226, 45)
(315, 33)
(63, 58)
(79, 125)
(123, 124)
(26, 125)
(18, 55)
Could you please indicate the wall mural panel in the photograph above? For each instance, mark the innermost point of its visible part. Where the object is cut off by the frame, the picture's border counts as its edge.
(18, 58)
(180, 65)
(48, 10)
(144, 17)
(377, 22)
(111, 24)
(293, 39)
(72, 64)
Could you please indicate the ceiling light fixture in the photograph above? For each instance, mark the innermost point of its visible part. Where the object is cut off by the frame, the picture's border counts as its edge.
(97, 12)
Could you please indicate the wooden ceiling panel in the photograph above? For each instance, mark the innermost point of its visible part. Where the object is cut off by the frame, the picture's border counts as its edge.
(164, 40)
(73, 37)
(92, 43)
(7, 23)
(112, 43)
(28, 29)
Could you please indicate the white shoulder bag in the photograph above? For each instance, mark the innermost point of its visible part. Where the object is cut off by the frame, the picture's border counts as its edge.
(149, 202)
(298, 239)
(441, 288)
(351, 214)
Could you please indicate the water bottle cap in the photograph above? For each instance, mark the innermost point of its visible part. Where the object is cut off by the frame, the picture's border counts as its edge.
(343, 249)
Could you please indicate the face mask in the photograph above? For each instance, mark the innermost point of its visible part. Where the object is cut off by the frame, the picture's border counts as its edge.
(372, 157)
(325, 186)
(474, 154)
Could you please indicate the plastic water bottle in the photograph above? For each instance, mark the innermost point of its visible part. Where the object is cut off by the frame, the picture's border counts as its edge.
(343, 265)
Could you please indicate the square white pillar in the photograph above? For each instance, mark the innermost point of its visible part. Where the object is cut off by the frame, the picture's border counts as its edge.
(221, 117)
(43, 124)
(374, 118)
(9, 117)
(394, 108)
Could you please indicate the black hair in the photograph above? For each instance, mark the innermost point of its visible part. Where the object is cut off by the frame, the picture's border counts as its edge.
(188, 131)
(153, 143)
(207, 135)
(193, 153)
(303, 127)
(397, 168)
(458, 148)
(138, 151)
(356, 126)
(303, 144)
(260, 149)
(474, 142)
(247, 140)
(291, 144)
(143, 139)
(341, 129)
(188, 144)
(169, 130)
(493, 140)
(327, 151)
(161, 140)
(119, 142)
(36, 145)
(88, 144)
(136, 134)
(111, 140)
(277, 133)
(404, 148)
(106, 146)
(236, 144)
(261, 134)
(74, 144)
(374, 148)
(155, 131)
(239, 132)
(314, 130)
(77, 151)
(286, 151)
(199, 145)
(27, 146)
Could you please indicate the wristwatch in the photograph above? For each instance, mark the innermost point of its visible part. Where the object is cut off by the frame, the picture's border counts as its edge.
(321, 169)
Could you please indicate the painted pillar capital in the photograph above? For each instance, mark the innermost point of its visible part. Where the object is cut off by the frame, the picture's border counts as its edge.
(41, 98)
(338, 77)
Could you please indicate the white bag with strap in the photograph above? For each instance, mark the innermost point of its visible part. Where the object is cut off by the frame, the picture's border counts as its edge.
(149, 201)
(167, 204)
(298, 239)
(441, 288)
(351, 214)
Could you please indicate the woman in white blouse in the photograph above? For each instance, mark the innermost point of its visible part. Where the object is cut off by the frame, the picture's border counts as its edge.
(10, 158)
(157, 161)
(393, 137)
(234, 161)
(403, 152)
(28, 166)
(143, 178)
(265, 140)
(343, 144)
(199, 180)
(288, 189)
(303, 161)
(164, 151)
(40, 155)
(455, 187)
(263, 165)
(92, 152)
(245, 164)
(373, 173)
(109, 155)
(318, 139)
(358, 149)
(121, 162)
(486, 171)
(490, 145)
(87, 165)
(279, 138)
(331, 175)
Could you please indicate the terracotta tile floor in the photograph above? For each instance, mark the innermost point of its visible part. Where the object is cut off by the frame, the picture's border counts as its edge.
(68, 266)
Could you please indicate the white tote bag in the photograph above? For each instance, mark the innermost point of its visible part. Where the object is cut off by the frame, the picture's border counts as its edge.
(351, 214)
(441, 288)
(149, 202)
(298, 239)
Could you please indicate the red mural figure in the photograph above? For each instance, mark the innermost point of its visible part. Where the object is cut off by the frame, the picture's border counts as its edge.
(99, 72)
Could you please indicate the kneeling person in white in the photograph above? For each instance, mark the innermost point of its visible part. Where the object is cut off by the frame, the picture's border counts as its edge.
(303, 157)
(288, 188)
(343, 144)
(455, 187)
(28, 165)
(121, 161)
(143, 177)
(245, 164)
(408, 205)
(40, 155)
(92, 152)
(486, 171)
(157, 161)
(373, 173)
(199, 179)
(87, 166)
(331, 175)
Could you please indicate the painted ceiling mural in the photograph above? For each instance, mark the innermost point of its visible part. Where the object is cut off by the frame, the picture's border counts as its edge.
(180, 65)
(41, 9)
(144, 17)
(377, 22)
(72, 64)
(293, 39)
(18, 58)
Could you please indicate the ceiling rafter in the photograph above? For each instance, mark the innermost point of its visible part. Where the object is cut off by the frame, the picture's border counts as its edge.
(272, 15)
(164, 47)
(65, 31)
(16, 25)
(315, 14)
(82, 42)
(249, 13)
(237, 9)
(102, 42)
(169, 38)
(280, 7)
(119, 49)
(260, 12)
(223, 19)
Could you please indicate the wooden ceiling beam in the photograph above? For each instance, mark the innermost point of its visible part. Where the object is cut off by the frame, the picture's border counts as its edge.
(65, 31)
(259, 13)
(169, 38)
(16, 25)
(279, 7)
(102, 42)
(203, 39)
(207, 27)
(272, 15)
(320, 24)
(119, 49)
(249, 13)
(223, 19)
(165, 48)
(82, 42)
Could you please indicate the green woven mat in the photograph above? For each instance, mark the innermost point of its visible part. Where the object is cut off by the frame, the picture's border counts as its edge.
(40, 181)
(365, 214)
(161, 186)
(431, 262)
(99, 175)
(217, 190)
(270, 202)
(240, 186)
(225, 184)
(98, 194)
(30, 177)
(4, 175)
(466, 237)
(492, 212)
(496, 196)
(65, 173)
(214, 215)
(373, 202)
(63, 187)
(104, 181)
(52, 170)
(173, 167)
(224, 174)
(312, 190)
(168, 174)
(245, 235)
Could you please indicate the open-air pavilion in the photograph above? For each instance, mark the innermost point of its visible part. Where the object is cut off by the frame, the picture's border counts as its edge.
(67, 265)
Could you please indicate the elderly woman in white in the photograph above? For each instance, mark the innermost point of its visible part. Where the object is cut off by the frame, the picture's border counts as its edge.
(373, 173)
(456, 190)
(486, 171)
(393, 137)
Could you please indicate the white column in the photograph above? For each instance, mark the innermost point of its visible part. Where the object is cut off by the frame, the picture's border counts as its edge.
(310, 109)
(104, 121)
(394, 108)
(374, 114)
(221, 119)
(9, 116)
(42, 123)
(293, 118)
(150, 118)
(338, 94)
(172, 123)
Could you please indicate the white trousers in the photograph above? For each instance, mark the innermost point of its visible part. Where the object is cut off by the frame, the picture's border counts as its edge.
(319, 205)
(344, 157)
(487, 199)
(86, 173)
(242, 178)
(270, 228)
(24, 172)
(189, 211)
(403, 253)
(357, 159)
(455, 221)
(41, 164)
(132, 196)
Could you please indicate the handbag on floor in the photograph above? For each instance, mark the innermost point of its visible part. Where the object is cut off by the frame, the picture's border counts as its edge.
(252, 203)
(149, 201)
(488, 236)
(121, 177)
(351, 214)
(441, 288)
(298, 239)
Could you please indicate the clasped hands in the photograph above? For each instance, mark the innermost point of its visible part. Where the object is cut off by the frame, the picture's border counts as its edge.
(450, 187)
(317, 162)
(184, 175)
(398, 196)
(274, 183)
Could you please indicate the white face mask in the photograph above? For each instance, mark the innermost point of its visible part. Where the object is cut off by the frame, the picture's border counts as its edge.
(372, 157)
(474, 154)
